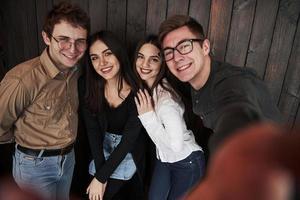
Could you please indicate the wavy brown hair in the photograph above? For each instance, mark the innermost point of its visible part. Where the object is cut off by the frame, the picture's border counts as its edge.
(68, 12)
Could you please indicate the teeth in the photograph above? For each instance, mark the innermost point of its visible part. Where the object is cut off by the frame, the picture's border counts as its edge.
(70, 57)
(106, 69)
(183, 67)
(145, 71)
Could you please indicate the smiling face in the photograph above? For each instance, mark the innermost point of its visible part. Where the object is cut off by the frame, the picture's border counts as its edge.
(65, 58)
(193, 67)
(104, 61)
(148, 63)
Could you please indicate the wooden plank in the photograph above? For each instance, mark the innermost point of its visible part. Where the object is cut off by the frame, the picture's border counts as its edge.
(136, 22)
(98, 14)
(290, 95)
(200, 10)
(281, 45)
(55, 2)
(28, 26)
(3, 41)
(261, 36)
(5, 29)
(177, 7)
(17, 33)
(2, 65)
(83, 4)
(240, 30)
(42, 9)
(116, 18)
(156, 13)
(220, 17)
(297, 119)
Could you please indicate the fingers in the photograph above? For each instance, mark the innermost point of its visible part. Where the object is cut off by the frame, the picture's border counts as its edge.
(90, 196)
(143, 102)
(148, 97)
(143, 97)
(137, 103)
(95, 197)
(140, 97)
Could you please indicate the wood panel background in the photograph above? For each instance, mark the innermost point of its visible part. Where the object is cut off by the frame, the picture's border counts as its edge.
(261, 34)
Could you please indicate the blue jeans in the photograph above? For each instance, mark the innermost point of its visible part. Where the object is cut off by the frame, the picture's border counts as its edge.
(49, 177)
(173, 180)
(126, 169)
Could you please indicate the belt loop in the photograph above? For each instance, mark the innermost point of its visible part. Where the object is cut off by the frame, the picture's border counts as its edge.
(41, 153)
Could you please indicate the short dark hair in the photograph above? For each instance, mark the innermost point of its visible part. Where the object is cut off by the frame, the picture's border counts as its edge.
(94, 97)
(68, 12)
(177, 21)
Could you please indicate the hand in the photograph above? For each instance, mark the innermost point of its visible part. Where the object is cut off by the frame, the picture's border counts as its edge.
(143, 102)
(96, 190)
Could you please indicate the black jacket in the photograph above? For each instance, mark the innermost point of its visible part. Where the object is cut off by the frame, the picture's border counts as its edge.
(133, 139)
(232, 98)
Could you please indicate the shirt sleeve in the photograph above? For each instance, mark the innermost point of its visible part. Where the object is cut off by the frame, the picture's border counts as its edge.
(130, 135)
(237, 105)
(165, 126)
(95, 136)
(93, 129)
(14, 99)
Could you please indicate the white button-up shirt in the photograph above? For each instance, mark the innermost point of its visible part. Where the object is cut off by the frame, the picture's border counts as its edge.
(167, 128)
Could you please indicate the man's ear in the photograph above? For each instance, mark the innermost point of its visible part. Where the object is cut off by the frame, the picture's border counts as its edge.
(46, 38)
(206, 47)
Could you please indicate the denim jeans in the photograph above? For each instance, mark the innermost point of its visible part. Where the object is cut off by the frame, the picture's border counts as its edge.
(126, 169)
(49, 177)
(173, 180)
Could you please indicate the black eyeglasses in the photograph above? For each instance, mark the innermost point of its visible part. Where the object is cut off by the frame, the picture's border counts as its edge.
(183, 47)
(66, 43)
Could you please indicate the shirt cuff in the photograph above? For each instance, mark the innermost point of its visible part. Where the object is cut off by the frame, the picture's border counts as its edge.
(147, 117)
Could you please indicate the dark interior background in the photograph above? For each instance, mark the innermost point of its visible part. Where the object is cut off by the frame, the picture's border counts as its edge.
(260, 34)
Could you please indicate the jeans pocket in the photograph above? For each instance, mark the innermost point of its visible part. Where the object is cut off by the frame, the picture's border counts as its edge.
(194, 160)
(28, 160)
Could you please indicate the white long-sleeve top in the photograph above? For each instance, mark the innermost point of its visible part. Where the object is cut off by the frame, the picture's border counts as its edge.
(167, 128)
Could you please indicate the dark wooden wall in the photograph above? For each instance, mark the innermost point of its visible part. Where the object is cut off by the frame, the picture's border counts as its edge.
(261, 34)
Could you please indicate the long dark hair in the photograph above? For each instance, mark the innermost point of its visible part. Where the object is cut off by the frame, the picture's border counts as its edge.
(94, 94)
(163, 72)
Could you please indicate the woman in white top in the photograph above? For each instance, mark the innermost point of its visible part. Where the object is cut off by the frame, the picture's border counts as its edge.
(180, 161)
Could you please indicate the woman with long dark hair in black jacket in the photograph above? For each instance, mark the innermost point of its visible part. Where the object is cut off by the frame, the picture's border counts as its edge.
(115, 134)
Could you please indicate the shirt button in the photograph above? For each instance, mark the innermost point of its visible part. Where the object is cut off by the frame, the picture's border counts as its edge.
(197, 101)
(201, 117)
